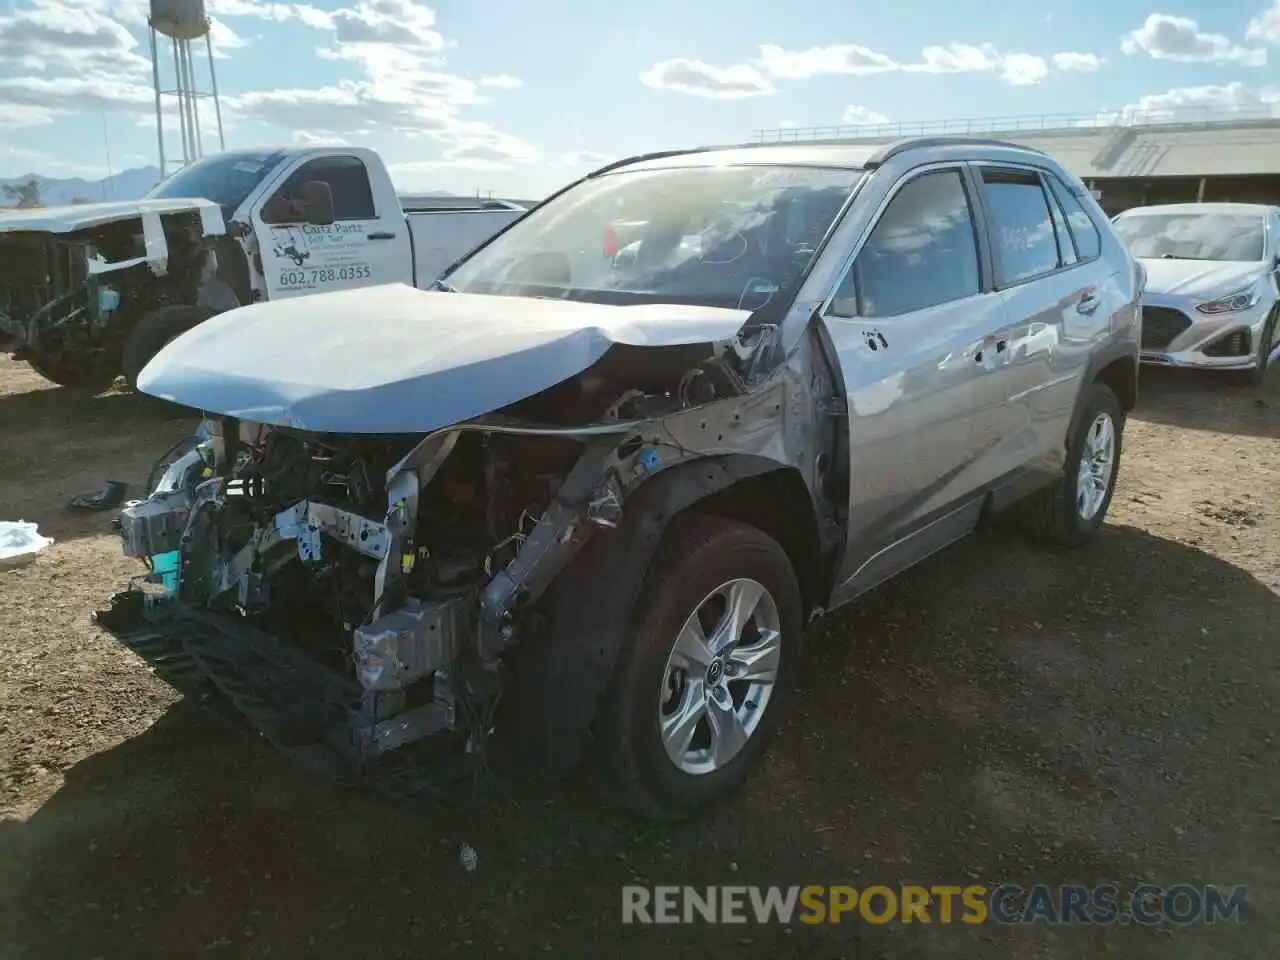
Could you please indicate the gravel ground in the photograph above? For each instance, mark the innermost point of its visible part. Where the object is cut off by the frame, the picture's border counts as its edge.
(998, 715)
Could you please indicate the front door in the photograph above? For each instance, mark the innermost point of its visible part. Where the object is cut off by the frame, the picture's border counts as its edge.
(917, 335)
(367, 243)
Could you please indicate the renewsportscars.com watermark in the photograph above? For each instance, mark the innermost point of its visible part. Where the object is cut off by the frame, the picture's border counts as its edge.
(1146, 904)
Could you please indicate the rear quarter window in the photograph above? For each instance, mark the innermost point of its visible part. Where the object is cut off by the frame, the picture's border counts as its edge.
(1083, 229)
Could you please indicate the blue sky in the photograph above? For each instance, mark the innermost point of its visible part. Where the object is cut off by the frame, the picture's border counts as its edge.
(520, 97)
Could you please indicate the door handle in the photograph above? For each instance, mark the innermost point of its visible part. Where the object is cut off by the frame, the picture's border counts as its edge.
(992, 348)
(1088, 304)
(381, 236)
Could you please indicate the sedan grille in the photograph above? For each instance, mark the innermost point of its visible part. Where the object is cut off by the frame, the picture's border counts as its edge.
(1160, 325)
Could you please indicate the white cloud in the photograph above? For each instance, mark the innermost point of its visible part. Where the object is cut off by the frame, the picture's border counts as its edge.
(308, 139)
(1180, 39)
(224, 39)
(1265, 27)
(844, 58)
(83, 55)
(502, 81)
(1195, 103)
(1023, 69)
(755, 77)
(401, 23)
(1077, 62)
(48, 35)
(859, 116)
(700, 79)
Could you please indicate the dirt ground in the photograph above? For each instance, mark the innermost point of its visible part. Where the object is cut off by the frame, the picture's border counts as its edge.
(998, 715)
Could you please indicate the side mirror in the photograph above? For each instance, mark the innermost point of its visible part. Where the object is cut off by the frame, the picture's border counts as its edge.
(315, 197)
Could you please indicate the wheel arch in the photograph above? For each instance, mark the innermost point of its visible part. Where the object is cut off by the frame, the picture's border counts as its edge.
(1116, 368)
(565, 661)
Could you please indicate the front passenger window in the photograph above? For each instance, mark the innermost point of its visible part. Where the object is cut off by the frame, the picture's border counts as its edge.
(920, 254)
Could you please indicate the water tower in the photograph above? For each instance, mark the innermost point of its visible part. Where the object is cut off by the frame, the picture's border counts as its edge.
(183, 21)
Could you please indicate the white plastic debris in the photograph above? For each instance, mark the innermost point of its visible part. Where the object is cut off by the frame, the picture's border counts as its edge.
(19, 543)
(469, 858)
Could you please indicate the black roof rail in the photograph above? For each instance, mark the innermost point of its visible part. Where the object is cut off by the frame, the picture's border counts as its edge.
(643, 157)
(891, 150)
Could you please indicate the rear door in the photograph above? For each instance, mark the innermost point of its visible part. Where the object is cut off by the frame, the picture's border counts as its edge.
(1055, 287)
(368, 242)
(914, 325)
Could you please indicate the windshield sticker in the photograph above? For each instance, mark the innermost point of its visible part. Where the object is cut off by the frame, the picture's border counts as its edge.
(247, 166)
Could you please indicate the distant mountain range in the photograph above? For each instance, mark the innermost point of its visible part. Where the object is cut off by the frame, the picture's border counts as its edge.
(55, 191)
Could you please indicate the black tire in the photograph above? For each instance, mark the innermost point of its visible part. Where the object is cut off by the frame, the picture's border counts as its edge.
(1256, 376)
(698, 554)
(93, 373)
(1052, 515)
(152, 331)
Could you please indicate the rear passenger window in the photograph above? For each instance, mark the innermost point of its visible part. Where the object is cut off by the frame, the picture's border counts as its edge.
(1021, 229)
(921, 252)
(1083, 229)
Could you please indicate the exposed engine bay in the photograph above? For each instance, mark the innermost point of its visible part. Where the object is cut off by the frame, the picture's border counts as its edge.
(407, 563)
(67, 300)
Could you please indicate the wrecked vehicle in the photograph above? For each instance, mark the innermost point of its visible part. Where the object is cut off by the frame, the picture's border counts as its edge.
(91, 291)
(563, 507)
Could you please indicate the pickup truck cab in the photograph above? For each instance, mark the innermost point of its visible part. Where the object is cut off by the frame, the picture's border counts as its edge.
(91, 291)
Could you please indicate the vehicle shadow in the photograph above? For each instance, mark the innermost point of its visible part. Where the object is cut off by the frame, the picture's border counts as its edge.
(1098, 716)
(1200, 400)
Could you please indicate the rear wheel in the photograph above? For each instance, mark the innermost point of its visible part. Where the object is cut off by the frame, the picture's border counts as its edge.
(1070, 512)
(153, 331)
(705, 677)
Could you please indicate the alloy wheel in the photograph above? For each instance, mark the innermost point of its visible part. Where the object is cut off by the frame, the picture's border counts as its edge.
(720, 676)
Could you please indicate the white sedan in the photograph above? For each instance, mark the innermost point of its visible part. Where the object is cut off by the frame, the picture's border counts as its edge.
(1211, 299)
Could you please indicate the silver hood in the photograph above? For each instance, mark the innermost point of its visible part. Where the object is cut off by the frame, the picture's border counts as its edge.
(1200, 279)
(394, 359)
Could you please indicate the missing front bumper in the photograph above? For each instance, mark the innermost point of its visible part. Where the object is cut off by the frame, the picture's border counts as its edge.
(316, 718)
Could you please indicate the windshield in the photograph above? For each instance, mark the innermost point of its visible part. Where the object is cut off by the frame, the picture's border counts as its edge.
(730, 236)
(224, 178)
(1193, 236)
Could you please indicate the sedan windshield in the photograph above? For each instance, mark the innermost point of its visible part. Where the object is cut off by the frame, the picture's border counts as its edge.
(1193, 236)
(729, 236)
(224, 178)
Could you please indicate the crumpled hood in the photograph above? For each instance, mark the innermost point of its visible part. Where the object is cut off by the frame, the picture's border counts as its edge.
(395, 359)
(67, 219)
(1200, 279)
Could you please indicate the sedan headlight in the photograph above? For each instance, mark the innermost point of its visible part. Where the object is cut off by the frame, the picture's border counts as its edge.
(1231, 303)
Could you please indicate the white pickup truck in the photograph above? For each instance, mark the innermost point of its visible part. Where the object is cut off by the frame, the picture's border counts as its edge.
(92, 291)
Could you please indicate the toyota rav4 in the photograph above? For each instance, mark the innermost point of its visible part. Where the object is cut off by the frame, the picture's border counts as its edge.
(567, 505)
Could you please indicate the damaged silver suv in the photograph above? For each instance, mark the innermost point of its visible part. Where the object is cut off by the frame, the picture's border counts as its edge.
(571, 505)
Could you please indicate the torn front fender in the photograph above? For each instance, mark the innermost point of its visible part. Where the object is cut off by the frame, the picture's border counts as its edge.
(578, 645)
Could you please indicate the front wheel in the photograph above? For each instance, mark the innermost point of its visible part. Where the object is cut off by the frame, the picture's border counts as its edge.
(705, 677)
(1256, 376)
(1070, 512)
(89, 372)
(153, 331)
